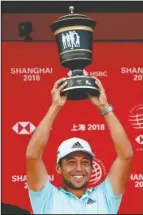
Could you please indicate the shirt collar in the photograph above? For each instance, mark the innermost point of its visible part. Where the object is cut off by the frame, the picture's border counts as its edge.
(87, 194)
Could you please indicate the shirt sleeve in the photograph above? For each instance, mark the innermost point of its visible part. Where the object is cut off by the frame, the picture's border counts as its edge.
(113, 200)
(40, 200)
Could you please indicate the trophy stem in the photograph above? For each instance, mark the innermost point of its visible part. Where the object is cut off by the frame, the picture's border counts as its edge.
(77, 72)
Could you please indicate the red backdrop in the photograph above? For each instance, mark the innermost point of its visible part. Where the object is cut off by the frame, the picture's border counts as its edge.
(29, 71)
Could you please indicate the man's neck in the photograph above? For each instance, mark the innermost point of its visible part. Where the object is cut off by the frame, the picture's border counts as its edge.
(75, 192)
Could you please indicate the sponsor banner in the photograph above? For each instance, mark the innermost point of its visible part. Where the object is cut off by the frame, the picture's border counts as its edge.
(23, 179)
(139, 141)
(137, 180)
(136, 117)
(98, 172)
(24, 127)
(28, 77)
(88, 127)
(99, 73)
(31, 74)
(135, 72)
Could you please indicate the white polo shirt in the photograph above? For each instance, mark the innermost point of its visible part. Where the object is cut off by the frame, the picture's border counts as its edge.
(97, 200)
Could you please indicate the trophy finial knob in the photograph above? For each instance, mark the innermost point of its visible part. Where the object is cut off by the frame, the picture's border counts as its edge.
(71, 8)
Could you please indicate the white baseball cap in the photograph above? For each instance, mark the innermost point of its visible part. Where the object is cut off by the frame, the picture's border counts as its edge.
(73, 145)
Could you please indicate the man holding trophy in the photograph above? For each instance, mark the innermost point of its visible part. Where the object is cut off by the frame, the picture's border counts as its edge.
(74, 155)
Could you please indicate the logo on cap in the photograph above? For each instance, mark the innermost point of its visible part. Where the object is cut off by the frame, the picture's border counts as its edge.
(77, 145)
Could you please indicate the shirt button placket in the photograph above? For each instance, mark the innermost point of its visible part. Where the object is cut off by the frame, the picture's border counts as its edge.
(80, 208)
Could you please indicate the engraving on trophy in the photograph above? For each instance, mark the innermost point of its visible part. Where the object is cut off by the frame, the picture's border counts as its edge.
(71, 40)
(79, 81)
(88, 82)
(70, 83)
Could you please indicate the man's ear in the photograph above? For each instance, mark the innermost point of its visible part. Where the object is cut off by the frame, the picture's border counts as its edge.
(58, 168)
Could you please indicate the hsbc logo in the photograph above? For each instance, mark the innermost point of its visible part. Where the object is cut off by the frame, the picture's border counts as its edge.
(139, 139)
(24, 127)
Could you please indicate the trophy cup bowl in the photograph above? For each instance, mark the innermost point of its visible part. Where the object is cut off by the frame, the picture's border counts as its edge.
(74, 37)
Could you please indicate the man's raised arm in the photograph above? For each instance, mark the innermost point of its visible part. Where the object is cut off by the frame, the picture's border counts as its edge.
(120, 169)
(36, 170)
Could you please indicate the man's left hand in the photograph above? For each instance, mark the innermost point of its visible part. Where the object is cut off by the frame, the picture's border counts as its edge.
(101, 101)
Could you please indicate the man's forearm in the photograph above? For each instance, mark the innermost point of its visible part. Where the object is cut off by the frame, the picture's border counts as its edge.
(120, 140)
(40, 137)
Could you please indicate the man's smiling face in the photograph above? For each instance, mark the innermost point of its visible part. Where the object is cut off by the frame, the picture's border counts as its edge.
(75, 170)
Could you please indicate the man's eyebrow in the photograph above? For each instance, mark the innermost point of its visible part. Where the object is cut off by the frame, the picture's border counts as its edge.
(86, 158)
(69, 158)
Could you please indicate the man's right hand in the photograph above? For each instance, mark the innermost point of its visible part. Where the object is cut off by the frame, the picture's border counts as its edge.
(35, 167)
(57, 99)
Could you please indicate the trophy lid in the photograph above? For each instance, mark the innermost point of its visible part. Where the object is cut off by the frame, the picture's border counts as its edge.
(72, 19)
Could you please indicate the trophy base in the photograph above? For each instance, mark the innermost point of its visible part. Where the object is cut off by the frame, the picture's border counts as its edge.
(80, 93)
(78, 87)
